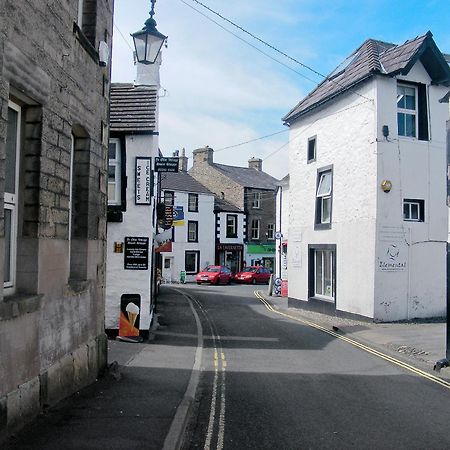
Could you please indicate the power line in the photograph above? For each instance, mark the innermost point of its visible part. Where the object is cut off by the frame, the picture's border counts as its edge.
(123, 37)
(248, 43)
(251, 140)
(273, 47)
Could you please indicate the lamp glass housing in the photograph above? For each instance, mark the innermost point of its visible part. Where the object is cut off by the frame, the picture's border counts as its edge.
(148, 43)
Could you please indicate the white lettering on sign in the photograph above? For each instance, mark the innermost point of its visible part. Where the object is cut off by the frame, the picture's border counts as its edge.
(143, 193)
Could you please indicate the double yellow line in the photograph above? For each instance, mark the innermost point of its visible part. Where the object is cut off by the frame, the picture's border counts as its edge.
(357, 344)
(222, 359)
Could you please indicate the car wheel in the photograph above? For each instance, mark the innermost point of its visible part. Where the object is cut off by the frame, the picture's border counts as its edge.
(198, 282)
(254, 281)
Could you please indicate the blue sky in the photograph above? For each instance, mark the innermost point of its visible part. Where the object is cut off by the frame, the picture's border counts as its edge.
(222, 92)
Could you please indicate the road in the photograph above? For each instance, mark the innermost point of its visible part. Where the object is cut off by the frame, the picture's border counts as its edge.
(269, 382)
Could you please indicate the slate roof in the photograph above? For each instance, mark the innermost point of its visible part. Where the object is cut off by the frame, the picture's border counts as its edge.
(182, 181)
(133, 108)
(222, 205)
(284, 181)
(248, 177)
(375, 58)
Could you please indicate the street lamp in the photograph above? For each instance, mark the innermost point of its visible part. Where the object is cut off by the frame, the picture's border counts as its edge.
(148, 41)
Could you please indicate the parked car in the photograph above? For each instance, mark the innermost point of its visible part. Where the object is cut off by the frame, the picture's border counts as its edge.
(214, 275)
(253, 274)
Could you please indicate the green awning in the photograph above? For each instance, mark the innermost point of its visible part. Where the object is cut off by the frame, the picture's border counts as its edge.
(260, 249)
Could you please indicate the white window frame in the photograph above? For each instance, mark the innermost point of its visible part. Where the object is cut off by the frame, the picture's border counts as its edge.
(255, 230)
(192, 235)
(192, 205)
(80, 13)
(256, 200)
(117, 164)
(234, 222)
(11, 203)
(411, 112)
(324, 196)
(321, 294)
(410, 203)
(311, 141)
(270, 231)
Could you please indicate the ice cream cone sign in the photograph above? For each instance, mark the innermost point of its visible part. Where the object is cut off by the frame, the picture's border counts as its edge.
(129, 320)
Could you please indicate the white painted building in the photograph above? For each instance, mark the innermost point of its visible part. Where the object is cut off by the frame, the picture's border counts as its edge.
(193, 240)
(230, 235)
(368, 215)
(282, 224)
(131, 196)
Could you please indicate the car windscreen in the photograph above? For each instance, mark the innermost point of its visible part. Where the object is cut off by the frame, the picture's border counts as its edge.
(212, 269)
(249, 269)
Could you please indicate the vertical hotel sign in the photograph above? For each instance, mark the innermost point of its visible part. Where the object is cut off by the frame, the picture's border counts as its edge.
(143, 177)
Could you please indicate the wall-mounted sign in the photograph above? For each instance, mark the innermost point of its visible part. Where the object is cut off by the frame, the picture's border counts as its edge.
(163, 164)
(136, 253)
(144, 182)
(178, 216)
(392, 250)
(168, 217)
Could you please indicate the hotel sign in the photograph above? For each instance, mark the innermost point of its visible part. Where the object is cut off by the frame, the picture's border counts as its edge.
(163, 164)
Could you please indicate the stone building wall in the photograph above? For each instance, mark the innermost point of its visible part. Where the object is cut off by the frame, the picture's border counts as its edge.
(52, 338)
(214, 180)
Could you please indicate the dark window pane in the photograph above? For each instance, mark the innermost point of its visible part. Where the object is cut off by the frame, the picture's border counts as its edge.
(11, 149)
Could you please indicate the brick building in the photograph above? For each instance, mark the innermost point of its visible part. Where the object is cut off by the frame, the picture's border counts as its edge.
(53, 138)
(249, 189)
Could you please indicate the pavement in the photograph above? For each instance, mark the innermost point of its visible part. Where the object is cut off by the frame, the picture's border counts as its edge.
(420, 342)
(138, 399)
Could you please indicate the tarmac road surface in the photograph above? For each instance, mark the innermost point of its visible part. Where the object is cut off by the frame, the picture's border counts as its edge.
(269, 382)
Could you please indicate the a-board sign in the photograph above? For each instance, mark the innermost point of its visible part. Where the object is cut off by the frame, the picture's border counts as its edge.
(165, 164)
(136, 253)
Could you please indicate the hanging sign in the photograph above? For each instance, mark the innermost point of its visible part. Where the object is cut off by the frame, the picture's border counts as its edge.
(143, 177)
(136, 253)
(178, 216)
(163, 164)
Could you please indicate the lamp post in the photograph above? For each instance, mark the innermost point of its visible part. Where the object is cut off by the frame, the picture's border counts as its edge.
(148, 41)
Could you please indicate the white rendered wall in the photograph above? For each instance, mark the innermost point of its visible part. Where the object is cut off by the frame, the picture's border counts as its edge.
(282, 224)
(345, 133)
(137, 221)
(417, 170)
(206, 234)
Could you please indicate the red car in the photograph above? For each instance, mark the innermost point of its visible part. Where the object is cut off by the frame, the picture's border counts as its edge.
(214, 275)
(253, 274)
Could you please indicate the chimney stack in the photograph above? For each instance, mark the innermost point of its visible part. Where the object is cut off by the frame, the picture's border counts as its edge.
(182, 161)
(255, 163)
(203, 156)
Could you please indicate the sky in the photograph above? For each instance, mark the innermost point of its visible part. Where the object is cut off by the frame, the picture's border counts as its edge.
(218, 90)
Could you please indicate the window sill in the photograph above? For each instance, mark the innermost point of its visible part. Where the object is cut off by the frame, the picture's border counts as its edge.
(18, 305)
(83, 40)
(322, 226)
(76, 287)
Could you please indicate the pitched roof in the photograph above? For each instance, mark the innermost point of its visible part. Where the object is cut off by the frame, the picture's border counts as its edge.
(371, 58)
(222, 205)
(182, 181)
(248, 177)
(133, 108)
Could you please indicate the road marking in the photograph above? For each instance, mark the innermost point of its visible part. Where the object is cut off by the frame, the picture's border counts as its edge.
(357, 344)
(216, 387)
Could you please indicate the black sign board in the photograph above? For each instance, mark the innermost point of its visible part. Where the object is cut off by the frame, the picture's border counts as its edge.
(168, 217)
(136, 253)
(163, 164)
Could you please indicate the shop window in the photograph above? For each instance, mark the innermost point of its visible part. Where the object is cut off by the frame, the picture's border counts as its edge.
(322, 272)
(192, 262)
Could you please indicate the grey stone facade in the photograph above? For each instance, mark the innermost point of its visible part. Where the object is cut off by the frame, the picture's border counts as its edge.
(52, 338)
(237, 186)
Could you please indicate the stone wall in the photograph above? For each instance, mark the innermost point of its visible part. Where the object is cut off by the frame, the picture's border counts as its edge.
(52, 338)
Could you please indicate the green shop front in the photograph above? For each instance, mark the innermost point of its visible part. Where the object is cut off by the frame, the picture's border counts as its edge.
(260, 255)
